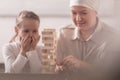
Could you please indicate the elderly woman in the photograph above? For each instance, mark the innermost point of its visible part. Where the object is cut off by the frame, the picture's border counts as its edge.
(88, 42)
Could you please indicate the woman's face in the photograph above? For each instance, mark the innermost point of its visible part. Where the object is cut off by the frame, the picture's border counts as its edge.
(84, 18)
(28, 27)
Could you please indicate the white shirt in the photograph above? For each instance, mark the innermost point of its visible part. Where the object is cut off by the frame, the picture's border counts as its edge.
(101, 45)
(16, 63)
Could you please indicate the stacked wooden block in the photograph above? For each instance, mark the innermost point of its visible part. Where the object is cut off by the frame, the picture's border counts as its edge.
(48, 50)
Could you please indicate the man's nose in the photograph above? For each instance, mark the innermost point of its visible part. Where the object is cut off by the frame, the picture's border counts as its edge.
(78, 17)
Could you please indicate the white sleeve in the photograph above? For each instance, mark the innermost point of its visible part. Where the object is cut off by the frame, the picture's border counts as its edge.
(34, 61)
(13, 64)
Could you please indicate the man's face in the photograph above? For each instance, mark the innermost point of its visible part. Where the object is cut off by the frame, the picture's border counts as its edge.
(83, 17)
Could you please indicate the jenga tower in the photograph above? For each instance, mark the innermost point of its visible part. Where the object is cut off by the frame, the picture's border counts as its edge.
(48, 50)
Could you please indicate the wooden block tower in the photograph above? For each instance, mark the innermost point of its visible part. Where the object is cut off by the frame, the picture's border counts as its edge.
(48, 50)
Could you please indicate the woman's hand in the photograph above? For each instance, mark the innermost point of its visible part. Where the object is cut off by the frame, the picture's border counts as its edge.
(71, 63)
(34, 41)
(58, 68)
(28, 44)
(25, 45)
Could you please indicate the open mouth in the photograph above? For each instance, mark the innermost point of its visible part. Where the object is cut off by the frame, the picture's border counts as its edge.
(80, 24)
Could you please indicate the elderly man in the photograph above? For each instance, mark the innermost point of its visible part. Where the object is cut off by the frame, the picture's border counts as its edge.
(88, 42)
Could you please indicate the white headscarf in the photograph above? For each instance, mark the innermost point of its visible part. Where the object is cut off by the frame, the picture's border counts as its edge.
(92, 4)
